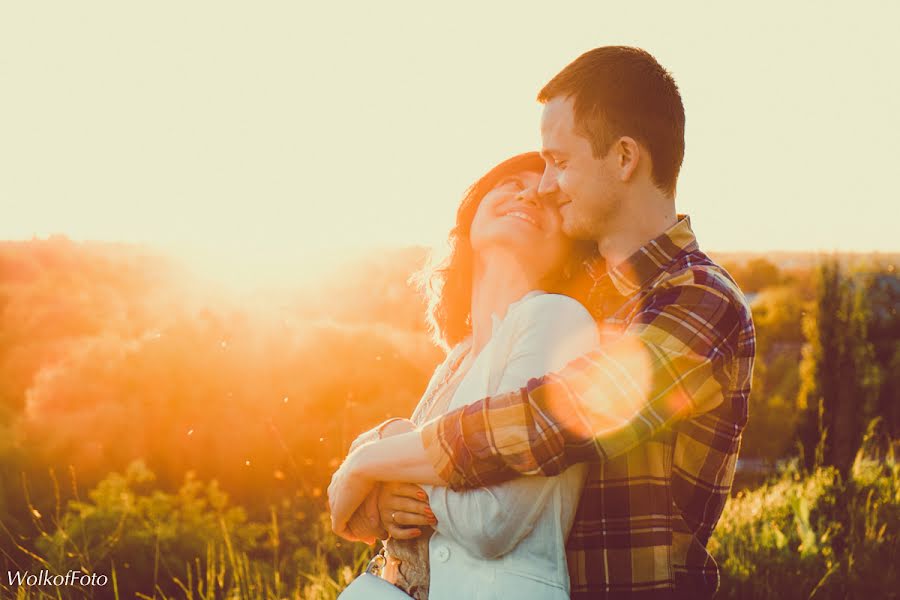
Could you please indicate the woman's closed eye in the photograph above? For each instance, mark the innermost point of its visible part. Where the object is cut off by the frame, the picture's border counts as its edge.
(515, 183)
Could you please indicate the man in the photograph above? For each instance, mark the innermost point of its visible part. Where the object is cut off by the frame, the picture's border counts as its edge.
(658, 410)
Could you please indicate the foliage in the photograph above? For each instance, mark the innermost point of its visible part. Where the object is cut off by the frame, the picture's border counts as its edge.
(107, 356)
(126, 521)
(189, 542)
(883, 294)
(110, 355)
(840, 377)
(777, 314)
(755, 275)
(814, 535)
(801, 535)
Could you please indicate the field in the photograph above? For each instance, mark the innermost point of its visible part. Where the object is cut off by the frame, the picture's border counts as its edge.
(177, 440)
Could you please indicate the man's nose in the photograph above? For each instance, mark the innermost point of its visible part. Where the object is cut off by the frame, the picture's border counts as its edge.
(549, 184)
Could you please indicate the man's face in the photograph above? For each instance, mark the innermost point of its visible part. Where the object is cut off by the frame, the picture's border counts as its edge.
(585, 187)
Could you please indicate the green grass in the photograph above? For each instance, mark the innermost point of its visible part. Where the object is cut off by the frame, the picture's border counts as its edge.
(801, 535)
(816, 536)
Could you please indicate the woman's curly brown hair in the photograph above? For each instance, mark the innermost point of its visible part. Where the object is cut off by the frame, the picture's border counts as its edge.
(447, 285)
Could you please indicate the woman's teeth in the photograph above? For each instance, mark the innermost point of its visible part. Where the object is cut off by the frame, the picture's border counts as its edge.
(521, 215)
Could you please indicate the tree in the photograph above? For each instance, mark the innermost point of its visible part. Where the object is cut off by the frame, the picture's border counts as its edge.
(839, 375)
(755, 275)
(883, 293)
(771, 430)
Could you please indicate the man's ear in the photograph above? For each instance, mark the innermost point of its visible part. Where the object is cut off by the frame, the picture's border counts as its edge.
(628, 157)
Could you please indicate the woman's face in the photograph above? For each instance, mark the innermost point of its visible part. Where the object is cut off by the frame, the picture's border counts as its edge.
(512, 216)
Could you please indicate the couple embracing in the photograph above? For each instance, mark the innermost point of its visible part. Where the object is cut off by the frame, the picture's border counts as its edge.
(580, 438)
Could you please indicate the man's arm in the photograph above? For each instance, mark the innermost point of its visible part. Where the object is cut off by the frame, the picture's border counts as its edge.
(672, 361)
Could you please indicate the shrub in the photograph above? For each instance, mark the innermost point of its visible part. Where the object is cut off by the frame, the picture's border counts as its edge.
(814, 535)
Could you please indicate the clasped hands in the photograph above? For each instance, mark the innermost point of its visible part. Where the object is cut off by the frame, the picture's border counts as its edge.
(377, 510)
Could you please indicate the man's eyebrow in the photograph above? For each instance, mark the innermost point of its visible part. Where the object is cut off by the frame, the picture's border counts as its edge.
(551, 152)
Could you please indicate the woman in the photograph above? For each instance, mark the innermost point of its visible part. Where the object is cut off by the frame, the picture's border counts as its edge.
(491, 304)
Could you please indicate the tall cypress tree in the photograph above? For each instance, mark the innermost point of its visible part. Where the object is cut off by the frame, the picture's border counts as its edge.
(883, 294)
(840, 378)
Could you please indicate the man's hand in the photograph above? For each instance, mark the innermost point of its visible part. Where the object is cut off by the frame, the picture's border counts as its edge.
(404, 509)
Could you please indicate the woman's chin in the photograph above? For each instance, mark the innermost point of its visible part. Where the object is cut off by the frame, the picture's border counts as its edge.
(511, 232)
(507, 243)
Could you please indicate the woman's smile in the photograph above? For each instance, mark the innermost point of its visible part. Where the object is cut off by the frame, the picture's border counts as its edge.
(522, 215)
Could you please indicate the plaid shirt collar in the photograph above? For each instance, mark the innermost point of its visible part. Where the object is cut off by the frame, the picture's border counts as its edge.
(613, 286)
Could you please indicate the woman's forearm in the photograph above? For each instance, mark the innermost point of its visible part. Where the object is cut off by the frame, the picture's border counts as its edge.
(400, 457)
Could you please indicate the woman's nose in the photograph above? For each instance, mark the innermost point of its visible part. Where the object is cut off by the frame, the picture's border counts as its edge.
(529, 195)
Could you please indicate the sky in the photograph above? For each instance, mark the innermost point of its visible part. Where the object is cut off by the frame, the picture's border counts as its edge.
(272, 133)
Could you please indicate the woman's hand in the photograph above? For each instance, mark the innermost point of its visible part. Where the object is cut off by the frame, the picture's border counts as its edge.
(398, 457)
(347, 492)
(402, 506)
(365, 524)
(351, 518)
(404, 509)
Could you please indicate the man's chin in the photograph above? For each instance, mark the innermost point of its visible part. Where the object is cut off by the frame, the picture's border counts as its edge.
(576, 229)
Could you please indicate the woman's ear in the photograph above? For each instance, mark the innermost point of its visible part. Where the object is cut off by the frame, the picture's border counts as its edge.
(628, 157)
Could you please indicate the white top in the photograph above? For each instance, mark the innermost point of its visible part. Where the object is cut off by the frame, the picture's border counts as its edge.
(509, 540)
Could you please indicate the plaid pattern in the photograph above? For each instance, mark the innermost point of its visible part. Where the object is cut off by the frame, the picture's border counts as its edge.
(657, 411)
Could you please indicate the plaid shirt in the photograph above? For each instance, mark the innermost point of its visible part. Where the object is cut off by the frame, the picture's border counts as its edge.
(657, 411)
